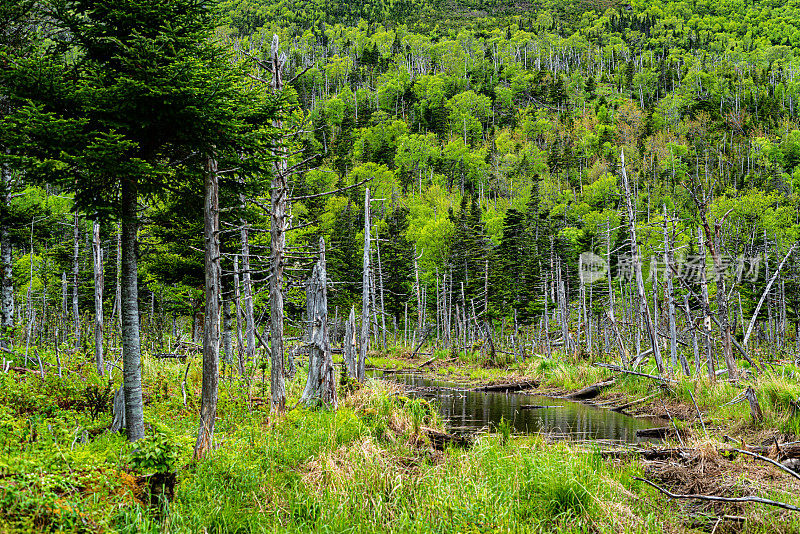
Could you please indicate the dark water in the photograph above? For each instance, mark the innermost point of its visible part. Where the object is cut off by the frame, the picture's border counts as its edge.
(471, 411)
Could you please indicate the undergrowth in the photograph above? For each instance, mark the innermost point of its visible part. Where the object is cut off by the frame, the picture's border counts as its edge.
(366, 467)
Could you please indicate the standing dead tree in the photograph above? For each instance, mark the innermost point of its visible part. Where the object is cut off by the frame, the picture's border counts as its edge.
(350, 344)
(208, 401)
(97, 255)
(714, 244)
(76, 318)
(321, 383)
(6, 265)
(278, 224)
(366, 301)
(637, 267)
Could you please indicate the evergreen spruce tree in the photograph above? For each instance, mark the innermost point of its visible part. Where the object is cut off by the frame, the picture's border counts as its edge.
(126, 100)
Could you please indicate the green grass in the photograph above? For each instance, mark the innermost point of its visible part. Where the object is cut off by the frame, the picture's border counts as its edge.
(366, 467)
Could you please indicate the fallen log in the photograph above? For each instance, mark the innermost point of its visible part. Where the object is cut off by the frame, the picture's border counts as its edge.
(426, 362)
(440, 439)
(719, 499)
(590, 392)
(23, 370)
(619, 369)
(660, 432)
(536, 407)
(169, 356)
(506, 388)
(785, 452)
(633, 403)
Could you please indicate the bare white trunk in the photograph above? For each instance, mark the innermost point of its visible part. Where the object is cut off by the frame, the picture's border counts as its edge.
(97, 256)
(6, 267)
(237, 299)
(366, 301)
(227, 341)
(76, 318)
(247, 288)
(350, 344)
(637, 267)
(131, 348)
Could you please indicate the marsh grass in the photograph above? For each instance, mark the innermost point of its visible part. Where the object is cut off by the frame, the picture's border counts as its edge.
(367, 467)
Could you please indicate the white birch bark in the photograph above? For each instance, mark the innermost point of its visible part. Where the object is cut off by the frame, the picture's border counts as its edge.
(131, 348)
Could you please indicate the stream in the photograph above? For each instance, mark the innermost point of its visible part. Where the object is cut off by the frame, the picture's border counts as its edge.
(465, 411)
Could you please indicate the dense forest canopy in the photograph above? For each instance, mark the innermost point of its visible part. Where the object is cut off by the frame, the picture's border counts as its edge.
(491, 129)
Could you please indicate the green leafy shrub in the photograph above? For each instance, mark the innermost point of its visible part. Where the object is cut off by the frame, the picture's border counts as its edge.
(157, 453)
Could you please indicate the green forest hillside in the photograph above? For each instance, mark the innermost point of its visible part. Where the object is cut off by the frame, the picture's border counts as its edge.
(234, 224)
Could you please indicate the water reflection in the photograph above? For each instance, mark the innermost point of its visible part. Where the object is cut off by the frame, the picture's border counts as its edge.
(470, 411)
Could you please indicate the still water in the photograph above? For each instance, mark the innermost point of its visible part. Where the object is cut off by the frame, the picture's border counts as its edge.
(470, 411)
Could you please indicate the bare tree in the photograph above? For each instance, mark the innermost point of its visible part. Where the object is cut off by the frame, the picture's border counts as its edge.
(321, 383)
(350, 351)
(208, 400)
(131, 346)
(6, 265)
(637, 267)
(366, 311)
(279, 200)
(97, 256)
(76, 318)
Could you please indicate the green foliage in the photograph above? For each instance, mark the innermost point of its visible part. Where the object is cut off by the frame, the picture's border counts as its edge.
(155, 453)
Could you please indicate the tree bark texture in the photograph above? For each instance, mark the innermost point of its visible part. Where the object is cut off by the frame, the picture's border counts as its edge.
(321, 383)
(350, 351)
(208, 399)
(279, 200)
(131, 348)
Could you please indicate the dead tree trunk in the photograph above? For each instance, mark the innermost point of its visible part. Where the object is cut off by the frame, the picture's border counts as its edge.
(671, 310)
(713, 242)
(227, 338)
(707, 342)
(349, 349)
(617, 336)
(279, 207)
(208, 399)
(237, 298)
(637, 267)
(131, 348)
(380, 286)
(6, 267)
(76, 318)
(97, 254)
(247, 289)
(321, 383)
(366, 301)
